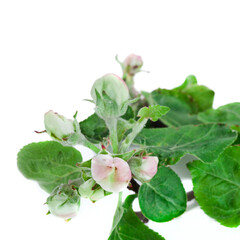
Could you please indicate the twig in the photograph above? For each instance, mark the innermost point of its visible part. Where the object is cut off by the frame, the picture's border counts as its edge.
(190, 196)
(141, 217)
(134, 186)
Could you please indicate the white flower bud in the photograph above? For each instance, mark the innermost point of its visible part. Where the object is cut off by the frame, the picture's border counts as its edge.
(144, 168)
(64, 201)
(112, 174)
(132, 64)
(57, 126)
(88, 190)
(113, 96)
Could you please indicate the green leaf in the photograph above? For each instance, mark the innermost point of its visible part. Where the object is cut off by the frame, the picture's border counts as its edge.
(123, 126)
(49, 163)
(164, 197)
(129, 114)
(180, 111)
(205, 142)
(217, 186)
(153, 112)
(94, 128)
(189, 81)
(184, 102)
(228, 114)
(127, 226)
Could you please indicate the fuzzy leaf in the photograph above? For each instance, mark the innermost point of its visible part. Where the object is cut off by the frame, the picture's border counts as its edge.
(94, 128)
(49, 163)
(153, 112)
(205, 142)
(163, 198)
(217, 186)
(127, 226)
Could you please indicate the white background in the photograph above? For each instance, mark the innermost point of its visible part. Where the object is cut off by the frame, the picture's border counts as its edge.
(50, 54)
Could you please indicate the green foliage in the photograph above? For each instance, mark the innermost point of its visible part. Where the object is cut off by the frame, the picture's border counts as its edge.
(127, 226)
(228, 114)
(184, 102)
(189, 81)
(184, 124)
(153, 112)
(163, 198)
(217, 186)
(205, 142)
(129, 114)
(49, 163)
(94, 128)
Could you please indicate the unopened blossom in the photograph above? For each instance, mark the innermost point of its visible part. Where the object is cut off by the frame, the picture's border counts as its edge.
(132, 64)
(57, 126)
(144, 168)
(112, 174)
(110, 94)
(64, 201)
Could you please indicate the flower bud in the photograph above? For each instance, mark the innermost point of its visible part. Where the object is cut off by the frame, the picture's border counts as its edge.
(112, 174)
(144, 168)
(64, 201)
(57, 126)
(110, 94)
(132, 64)
(90, 189)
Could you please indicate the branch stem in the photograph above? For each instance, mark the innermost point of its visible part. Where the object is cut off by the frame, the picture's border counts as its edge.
(112, 126)
(91, 146)
(190, 196)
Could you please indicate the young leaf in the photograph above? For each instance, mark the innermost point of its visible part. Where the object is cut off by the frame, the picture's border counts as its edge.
(163, 198)
(94, 128)
(153, 112)
(49, 163)
(127, 226)
(217, 186)
(205, 142)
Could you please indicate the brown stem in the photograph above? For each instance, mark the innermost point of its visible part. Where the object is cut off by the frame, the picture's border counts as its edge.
(141, 217)
(134, 186)
(190, 196)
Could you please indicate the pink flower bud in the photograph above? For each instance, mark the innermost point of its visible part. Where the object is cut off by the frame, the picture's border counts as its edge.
(132, 64)
(112, 174)
(144, 168)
